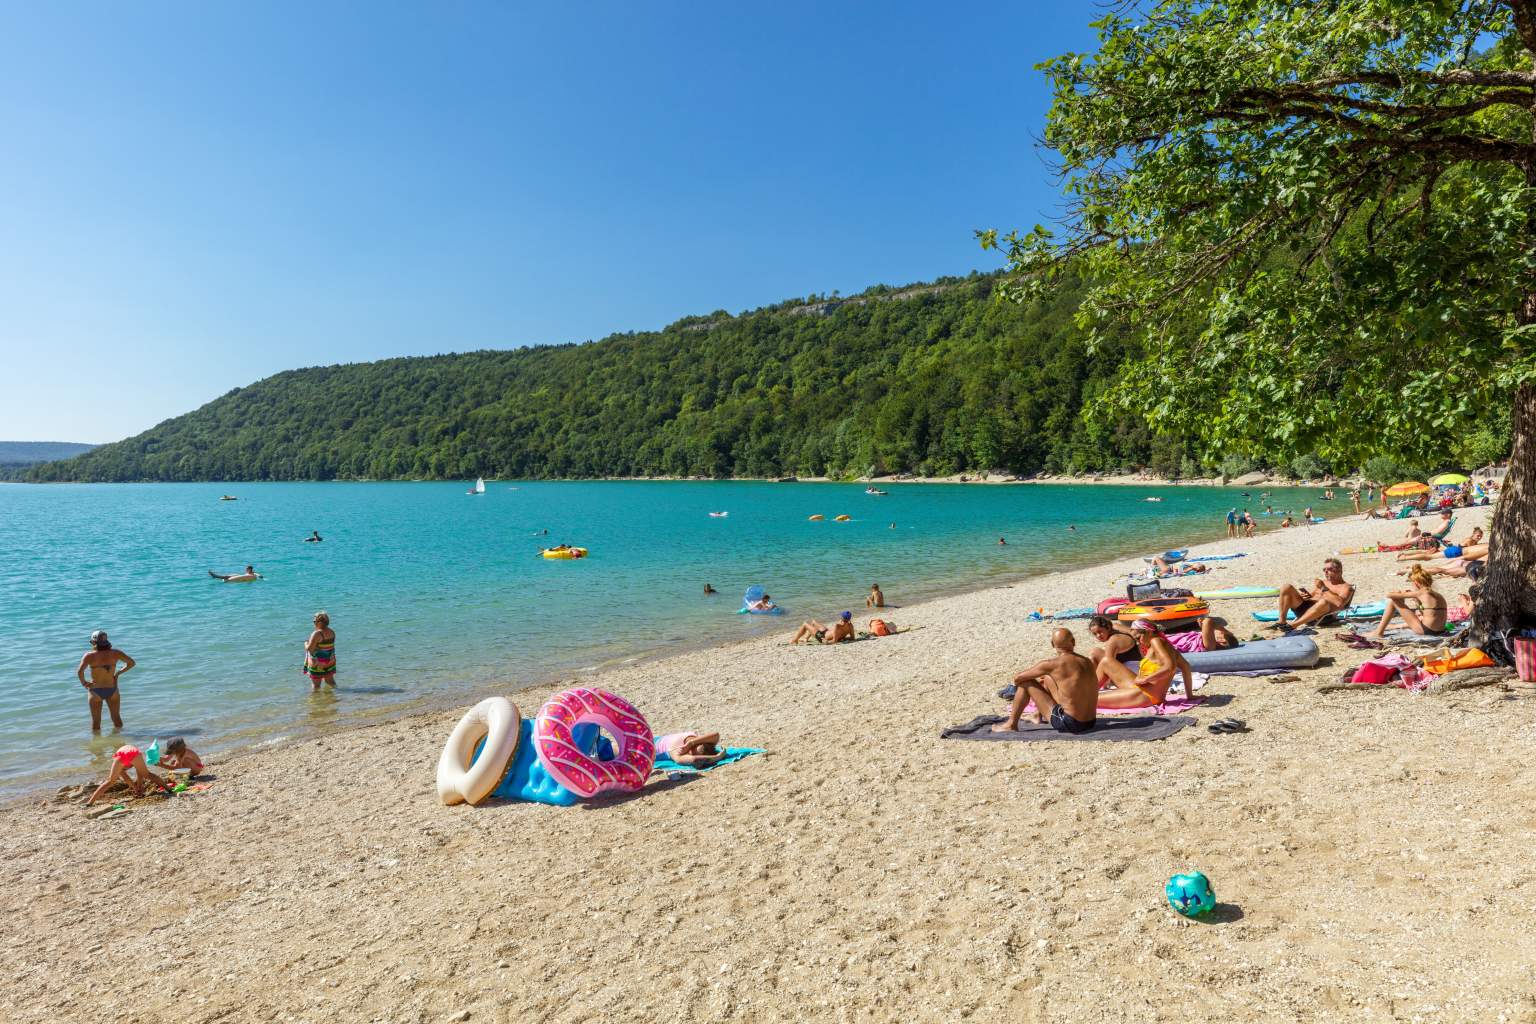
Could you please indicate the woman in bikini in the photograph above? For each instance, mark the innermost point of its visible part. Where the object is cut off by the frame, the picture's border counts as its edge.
(1422, 609)
(102, 659)
(1148, 685)
(320, 653)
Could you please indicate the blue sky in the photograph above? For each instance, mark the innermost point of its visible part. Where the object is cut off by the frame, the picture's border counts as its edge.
(195, 196)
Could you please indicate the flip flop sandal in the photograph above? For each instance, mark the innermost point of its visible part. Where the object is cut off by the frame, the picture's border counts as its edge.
(1227, 725)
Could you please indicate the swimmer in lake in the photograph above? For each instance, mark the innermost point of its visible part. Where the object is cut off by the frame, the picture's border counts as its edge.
(248, 576)
(314, 537)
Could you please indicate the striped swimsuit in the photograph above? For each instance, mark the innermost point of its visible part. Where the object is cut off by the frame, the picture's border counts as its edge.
(321, 661)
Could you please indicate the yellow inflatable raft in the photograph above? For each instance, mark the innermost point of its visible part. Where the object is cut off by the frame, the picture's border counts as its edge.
(817, 518)
(842, 519)
(565, 552)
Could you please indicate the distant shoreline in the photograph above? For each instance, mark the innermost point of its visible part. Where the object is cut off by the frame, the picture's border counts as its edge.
(965, 479)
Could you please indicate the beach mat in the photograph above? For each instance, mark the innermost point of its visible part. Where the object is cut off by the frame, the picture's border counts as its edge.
(732, 755)
(1106, 729)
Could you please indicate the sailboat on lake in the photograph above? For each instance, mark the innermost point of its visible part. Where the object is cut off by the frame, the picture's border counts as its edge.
(479, 487)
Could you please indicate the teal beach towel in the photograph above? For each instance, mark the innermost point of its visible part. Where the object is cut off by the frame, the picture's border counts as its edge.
(665, 763)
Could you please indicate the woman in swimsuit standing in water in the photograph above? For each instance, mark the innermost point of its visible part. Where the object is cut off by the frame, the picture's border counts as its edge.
(102, 660)
(320, 653)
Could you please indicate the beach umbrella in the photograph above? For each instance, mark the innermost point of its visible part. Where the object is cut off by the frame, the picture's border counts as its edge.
(1406, 487)
(1449, 480)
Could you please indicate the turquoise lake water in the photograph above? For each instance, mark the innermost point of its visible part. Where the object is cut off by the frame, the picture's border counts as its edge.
(436, 595)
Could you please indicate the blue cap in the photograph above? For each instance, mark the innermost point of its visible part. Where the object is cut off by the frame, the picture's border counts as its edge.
(847, 616)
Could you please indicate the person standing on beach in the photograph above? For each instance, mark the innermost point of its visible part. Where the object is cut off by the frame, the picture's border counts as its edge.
(102, 659)
(1064, 688)
(320, 653)
(1232, 523)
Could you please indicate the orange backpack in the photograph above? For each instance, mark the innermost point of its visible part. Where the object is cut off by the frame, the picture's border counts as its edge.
(880, 627)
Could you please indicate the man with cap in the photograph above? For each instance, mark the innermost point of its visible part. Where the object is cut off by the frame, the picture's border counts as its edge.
(836, 633)
(102, 659)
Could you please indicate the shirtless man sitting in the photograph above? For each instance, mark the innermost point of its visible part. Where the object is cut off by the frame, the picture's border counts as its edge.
(1114, 642)
(1063, 688)
(1148, 684)
(1327, 596)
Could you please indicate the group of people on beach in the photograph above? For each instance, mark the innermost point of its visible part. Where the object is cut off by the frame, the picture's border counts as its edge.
(106, 665)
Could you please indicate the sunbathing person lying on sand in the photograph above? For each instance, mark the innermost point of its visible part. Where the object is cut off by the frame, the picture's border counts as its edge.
(1213, 635)
(1458, 565)
(1114, 641)
(1426, 553)
(1326, 596)
(1149, 683)
(836, 633)
(129, 758)
(1422, 609)
(691, 748)
(1064, 688)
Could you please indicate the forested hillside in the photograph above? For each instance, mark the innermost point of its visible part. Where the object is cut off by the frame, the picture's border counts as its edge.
(932, 379)
(22, 453)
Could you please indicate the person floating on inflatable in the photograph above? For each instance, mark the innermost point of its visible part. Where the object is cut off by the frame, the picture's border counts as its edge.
(249, 576)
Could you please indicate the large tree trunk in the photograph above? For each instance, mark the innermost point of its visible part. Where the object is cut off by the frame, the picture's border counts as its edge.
(1506, 597)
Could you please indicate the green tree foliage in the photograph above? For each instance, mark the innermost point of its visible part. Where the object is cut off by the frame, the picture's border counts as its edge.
(937, 378)
(1319, 222)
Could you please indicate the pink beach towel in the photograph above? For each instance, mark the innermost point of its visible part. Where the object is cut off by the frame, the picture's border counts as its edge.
(1171, 706)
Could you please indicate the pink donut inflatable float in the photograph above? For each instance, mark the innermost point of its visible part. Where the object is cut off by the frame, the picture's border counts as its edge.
(587, 776)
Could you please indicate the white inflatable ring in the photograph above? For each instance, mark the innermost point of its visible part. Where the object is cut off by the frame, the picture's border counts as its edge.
(461, 776)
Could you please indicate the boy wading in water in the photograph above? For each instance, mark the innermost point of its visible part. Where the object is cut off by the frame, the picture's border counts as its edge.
(1065, 688)
(102, 659)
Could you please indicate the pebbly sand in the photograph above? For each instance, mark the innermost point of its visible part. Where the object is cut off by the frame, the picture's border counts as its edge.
(1371, 852)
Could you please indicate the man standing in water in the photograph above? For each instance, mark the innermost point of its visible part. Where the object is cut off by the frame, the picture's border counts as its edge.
(1065, 689)
(102, 660)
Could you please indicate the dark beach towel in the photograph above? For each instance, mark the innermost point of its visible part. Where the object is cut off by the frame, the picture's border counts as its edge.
(1147, 727)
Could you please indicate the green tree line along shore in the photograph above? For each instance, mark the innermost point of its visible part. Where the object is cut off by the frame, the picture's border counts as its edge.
(930, 379)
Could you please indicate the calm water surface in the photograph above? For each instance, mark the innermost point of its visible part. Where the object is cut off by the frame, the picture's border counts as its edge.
(436, 595)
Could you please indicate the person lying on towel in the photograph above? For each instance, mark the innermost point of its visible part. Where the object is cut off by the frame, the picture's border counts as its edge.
(1064, 688)
(691, 748)
(1213, 635)
(1148, 684)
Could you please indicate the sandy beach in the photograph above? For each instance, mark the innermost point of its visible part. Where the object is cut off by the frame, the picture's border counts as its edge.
(1369, 851)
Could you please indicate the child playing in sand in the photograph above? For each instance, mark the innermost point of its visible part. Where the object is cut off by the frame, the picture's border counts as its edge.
(690, 748)
(124, 759)
(179, 755)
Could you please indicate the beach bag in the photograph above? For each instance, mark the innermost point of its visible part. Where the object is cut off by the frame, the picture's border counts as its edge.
(1380, 670)
(1137, 592)
(1524, 649)
(1177, 592)
(880, 627)
(1444, 661)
